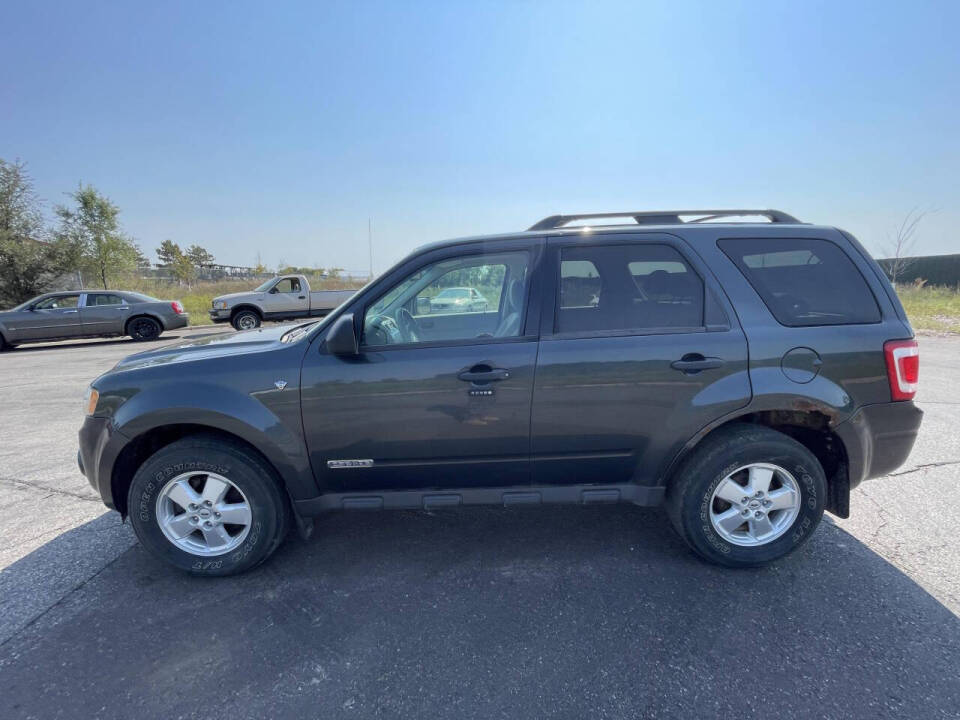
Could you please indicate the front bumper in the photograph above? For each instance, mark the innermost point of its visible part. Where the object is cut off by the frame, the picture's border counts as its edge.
(100, 444)
(879, 438)
(219, 316)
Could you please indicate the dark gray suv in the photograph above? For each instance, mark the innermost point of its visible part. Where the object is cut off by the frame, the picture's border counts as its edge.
(746, 375)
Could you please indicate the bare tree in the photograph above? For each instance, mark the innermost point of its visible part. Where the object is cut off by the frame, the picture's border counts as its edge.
(899, 246)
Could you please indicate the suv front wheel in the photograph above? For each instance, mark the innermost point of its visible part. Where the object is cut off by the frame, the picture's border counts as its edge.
(208, 505)
(747, 495)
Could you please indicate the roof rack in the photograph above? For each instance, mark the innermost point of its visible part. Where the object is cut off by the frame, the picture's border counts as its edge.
(663, 217)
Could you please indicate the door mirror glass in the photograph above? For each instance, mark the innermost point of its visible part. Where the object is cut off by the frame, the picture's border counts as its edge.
(342, 338)
(274, 290)
(423, 305)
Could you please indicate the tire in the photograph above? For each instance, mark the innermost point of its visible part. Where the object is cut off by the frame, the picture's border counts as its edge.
(705, 520)
(245, 320)
(203, 461)
(3, 343)
(144, 329)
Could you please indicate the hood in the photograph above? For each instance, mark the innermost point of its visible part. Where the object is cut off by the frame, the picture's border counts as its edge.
(209, 346)
(236, 296)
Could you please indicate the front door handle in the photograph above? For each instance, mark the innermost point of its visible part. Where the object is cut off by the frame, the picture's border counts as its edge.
(695, 362)
(478, 375)
(70, 312)
(301, 297)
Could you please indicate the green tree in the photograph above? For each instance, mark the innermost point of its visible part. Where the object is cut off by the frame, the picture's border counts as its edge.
(199, 256)
(30, 262)
(92, 227)
(168, 252)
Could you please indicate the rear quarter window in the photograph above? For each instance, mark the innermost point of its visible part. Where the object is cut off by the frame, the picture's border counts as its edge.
(804, 282)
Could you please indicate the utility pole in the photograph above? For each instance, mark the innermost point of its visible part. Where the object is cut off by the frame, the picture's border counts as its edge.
(370, 243)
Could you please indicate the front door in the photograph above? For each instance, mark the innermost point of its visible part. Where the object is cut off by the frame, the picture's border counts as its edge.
(57, 316)
(437, 400)
(637, 354)
(288, 298)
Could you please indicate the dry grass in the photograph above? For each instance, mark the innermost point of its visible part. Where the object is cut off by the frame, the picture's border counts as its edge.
(934, 309)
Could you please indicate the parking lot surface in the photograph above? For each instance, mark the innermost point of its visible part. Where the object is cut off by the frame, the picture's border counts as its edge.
(561, 612)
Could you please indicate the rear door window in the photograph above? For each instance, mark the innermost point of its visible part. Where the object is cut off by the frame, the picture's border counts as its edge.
(634, 287)
(804, 282)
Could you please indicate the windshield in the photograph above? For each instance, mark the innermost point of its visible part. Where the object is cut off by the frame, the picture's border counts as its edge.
(265, 286)
(454, 293)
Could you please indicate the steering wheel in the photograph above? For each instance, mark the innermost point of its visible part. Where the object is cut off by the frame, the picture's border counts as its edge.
(409, 329)
(381, 330)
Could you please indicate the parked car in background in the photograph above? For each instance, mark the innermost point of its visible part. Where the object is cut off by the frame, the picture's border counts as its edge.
(90, 313)
(745, 376)
(458, 299)
(281, 298)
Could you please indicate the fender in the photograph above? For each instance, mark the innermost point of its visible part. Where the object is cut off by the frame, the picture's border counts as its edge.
(268, 419)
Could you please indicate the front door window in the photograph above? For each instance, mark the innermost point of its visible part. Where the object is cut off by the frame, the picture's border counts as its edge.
(456, 299)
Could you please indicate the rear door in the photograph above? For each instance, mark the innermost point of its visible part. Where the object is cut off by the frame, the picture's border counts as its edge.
(57, 316)
(639, 350)
(103, 313)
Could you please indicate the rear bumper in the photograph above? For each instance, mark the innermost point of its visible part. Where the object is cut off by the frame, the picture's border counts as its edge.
(879, 438)
(175, 322)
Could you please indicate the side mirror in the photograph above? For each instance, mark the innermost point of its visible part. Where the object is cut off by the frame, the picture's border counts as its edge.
(423, 305)
(273, 290)
(342, 338)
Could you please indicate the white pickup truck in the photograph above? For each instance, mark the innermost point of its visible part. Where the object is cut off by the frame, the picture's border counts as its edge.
(281, 298)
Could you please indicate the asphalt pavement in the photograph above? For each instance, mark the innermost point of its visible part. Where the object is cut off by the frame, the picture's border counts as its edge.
(552, 612)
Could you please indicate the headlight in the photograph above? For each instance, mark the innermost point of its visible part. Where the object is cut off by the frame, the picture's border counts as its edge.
(90, 401)
(220, 305)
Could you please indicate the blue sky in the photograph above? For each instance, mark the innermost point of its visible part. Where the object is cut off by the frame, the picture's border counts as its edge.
(282, 127)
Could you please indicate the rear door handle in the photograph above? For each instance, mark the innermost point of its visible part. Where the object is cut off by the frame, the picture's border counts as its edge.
(694, 363)
(484, 376)
(70, 312)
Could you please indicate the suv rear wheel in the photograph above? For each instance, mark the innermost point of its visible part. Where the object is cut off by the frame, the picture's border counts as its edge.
(747, 495)
(209, 506)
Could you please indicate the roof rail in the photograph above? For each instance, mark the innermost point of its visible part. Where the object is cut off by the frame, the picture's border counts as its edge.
(663, 217)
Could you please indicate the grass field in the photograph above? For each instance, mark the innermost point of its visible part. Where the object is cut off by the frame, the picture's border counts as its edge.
(935, 309)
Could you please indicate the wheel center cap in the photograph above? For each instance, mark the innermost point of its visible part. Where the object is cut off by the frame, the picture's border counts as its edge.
(205, 513)
(754, 504)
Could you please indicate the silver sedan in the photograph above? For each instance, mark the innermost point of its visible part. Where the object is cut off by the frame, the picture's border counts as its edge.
(90, 313)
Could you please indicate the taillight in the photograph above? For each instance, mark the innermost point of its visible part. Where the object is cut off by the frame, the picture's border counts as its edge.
(177, 307)
(903, 368)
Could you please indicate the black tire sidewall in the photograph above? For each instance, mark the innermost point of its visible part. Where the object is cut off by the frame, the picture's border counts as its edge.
(139, 338)
(236, 320)
(709, 470)
(264, 497)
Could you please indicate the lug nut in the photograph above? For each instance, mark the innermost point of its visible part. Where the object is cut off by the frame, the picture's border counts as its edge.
(194, 519)
(767, 503)
(207, 503)
(745, 500)
(758, 514)
(193, 506)
(746, 511)
(210, 524)
(216, 514)
(759, 493)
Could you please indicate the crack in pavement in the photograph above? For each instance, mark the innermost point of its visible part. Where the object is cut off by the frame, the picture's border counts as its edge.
(60, 601)
(925, 466)
(47, 489)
